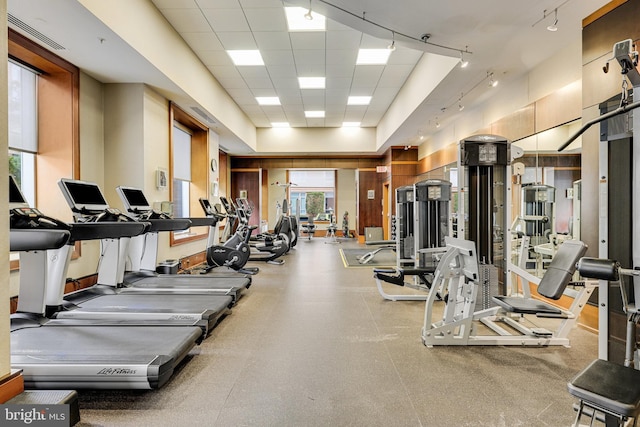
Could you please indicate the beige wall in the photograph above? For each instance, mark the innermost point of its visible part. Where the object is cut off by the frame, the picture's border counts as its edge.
(347, 197)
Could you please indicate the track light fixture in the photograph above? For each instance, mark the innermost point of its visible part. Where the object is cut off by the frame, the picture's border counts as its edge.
(392, 46)
(554, 27)
(308, 16)
(492, 82)
(463, 63)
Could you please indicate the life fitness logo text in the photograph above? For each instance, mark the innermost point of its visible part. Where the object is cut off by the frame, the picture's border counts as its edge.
(116, 371)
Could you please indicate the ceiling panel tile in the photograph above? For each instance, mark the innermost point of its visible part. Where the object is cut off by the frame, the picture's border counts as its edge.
(259, 83)
(283, 72)
(315, 123)
(231, 20)
(217, 4)
(286, 83)
(277, 57)
(367, 76)
(349, 40)
(288, 97)
(263, 19)
(305, 57)
(254, 73)
(344, 70)
(260, 3)
(237, 40)
(341, 56)
(273, 40)
(343, 83)
(308, 40)
(370, 42)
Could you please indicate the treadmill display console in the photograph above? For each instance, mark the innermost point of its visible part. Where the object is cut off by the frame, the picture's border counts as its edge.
(135, 198)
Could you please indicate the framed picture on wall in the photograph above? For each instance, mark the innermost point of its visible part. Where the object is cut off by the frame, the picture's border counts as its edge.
(371, 194)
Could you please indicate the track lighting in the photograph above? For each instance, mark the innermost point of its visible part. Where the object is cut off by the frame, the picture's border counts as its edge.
(554, 27)
(460, 107)
(308, 16)
(492, 81)
(463, 63)
(392, 46)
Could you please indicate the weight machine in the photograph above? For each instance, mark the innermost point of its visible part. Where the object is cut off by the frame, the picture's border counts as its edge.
(422, 212)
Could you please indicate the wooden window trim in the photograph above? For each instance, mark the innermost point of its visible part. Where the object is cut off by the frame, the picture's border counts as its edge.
(58, 123)
(199, 168)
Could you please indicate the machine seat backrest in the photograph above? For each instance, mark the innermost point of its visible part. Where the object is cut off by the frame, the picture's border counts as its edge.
(561, 269)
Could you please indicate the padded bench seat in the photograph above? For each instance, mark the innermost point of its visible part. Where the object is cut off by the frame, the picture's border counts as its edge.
(608, 387)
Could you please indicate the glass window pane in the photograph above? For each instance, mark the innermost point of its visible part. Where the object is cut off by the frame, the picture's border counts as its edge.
(181, 154)
(180, 198)
(22, 117)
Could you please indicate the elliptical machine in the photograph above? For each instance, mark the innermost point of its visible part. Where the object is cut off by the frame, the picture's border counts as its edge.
(233, 253)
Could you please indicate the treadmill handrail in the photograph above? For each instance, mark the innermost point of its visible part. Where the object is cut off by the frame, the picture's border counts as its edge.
(105, 230)
(37, 239)
(202, 221)
(168, 224)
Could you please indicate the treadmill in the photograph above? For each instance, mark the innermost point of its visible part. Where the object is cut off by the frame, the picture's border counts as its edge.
(80, 354)
(104, 300)
(142, 275)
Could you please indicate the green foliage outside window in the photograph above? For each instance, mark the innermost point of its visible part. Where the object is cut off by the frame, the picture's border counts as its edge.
(315, 203)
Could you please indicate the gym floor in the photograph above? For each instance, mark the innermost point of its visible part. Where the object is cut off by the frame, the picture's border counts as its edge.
(312, 343)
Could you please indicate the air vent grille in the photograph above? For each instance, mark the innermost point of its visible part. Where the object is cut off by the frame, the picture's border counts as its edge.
(204, 115)
(33, 32)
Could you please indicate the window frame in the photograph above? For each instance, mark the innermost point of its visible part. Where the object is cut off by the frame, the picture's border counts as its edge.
(58, 112)
(199, 170)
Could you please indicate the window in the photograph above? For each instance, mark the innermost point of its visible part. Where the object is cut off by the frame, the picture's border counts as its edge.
(43, 117)
(189, 171)
(314, 191)
(23, 127)
(181, 170)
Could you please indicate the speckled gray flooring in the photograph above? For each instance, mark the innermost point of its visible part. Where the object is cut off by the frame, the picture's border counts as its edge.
(313, 344)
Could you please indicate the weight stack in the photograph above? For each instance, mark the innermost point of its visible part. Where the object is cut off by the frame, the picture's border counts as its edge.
(488, 286)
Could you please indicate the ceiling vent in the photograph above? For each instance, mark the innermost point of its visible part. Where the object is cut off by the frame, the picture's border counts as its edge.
(204, 115)
(33, 32)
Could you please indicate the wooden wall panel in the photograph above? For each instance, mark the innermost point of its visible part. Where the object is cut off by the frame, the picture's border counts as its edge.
(370, 210)
(438, 159)
(562, 106)
(248, 181)
(223, 165)
(516, 125)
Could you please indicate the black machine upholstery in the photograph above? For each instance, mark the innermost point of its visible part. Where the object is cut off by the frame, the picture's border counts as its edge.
(608, 387)
(552, 284)
(601, 269)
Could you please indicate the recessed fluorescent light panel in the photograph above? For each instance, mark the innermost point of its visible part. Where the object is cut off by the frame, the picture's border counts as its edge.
(297, 21)
(268, 100)
(359, 100)
(350, 124)
(246, 57)
(311, 82)
(314, 114)
(280, 124)
(373, 56)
